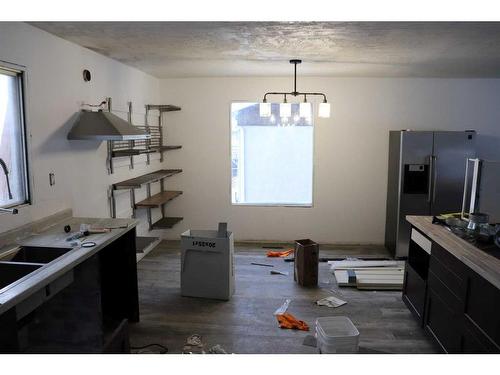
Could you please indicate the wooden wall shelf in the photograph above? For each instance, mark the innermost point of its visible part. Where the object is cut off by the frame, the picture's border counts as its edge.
(166, 222)
(136, 151)
(163, 107)
(158, 199)
(137, 182)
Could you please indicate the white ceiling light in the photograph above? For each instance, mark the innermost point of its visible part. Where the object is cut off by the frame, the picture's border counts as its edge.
(305, 110)
(286, 109)
(324, 110)
(265, 109)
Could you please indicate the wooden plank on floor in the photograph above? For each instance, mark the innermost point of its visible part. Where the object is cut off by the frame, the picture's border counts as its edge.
(344, 264)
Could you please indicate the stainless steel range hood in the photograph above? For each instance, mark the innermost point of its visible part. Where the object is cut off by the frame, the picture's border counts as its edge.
(104, 126)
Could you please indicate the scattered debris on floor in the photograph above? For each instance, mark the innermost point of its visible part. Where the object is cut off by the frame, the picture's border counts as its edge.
(217, 349)
(331, 302)
(369, 274)
(288, 321)
(279, 273)
(261, 264)
(193, 345)
(282, 309)
(280, 254)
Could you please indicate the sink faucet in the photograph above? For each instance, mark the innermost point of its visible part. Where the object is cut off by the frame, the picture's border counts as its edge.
(6, 172)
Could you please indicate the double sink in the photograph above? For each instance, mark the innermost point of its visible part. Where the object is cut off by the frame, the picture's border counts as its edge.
(18, 263)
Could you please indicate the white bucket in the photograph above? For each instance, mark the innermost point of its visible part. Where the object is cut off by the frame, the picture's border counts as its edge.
(336, 334)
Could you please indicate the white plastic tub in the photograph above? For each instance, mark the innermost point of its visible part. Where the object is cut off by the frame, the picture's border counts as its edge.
(336, 334)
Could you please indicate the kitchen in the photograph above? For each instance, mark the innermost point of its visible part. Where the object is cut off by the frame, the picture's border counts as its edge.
(336, 132)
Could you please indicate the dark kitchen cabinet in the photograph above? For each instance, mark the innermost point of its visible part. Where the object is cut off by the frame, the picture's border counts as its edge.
(415, 281)
(457, 307)
(414, 293)
(90, 314)
(443, 321)
(474, 340)
(483, 306)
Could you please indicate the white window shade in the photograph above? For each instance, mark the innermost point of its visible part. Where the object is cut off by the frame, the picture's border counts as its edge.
(272, 159)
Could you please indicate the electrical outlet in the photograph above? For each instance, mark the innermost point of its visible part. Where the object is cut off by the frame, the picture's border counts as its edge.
(52, 179)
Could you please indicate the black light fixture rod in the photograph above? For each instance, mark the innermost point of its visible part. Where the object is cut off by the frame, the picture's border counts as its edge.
(295, 62)
(295, 94)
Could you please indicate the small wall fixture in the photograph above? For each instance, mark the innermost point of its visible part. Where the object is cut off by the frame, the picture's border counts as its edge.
(285, 107)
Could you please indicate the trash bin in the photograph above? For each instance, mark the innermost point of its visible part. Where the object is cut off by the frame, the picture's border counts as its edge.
(207, 267)
(306, 262)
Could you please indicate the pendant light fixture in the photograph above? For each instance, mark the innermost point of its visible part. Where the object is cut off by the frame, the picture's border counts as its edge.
(286, 108)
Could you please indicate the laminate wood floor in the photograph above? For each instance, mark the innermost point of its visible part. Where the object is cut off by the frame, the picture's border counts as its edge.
(246, 324)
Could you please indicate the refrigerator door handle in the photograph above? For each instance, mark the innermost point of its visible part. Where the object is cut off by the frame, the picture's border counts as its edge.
(434, 178)
(429, 190)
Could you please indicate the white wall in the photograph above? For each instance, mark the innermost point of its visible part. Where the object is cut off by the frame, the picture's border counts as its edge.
(55, 91)
(350, 148)
(350, 176)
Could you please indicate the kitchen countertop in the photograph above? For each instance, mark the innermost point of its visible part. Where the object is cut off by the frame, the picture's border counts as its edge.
(55, 236)
(478, 260)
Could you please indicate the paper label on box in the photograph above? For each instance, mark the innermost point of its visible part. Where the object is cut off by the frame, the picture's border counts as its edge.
(208, 244)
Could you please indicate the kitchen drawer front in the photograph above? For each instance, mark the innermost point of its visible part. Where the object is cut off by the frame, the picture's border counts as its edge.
(454, 284)
(482, 306)
(445, 294)
(474, 341)
(414, 292)
(41, 296)
(443, 323)
(449, 261)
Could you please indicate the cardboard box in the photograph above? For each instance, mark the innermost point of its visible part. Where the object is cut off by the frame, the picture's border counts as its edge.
(207, 265)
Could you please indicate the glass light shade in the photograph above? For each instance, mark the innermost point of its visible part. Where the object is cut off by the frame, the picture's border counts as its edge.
(324, 110)
(285, 109)
(305, 110)
(265, 109)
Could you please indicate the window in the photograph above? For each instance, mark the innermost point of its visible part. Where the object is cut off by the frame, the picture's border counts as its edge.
(14, 189)
(271, 157)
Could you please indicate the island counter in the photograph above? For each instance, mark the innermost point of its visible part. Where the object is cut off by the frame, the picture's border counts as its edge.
(453, 289)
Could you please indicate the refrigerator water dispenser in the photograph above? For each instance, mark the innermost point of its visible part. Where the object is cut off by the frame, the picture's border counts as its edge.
(416, 179)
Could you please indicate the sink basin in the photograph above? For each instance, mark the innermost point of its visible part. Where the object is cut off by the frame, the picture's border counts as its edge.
(33, 254)
(11, 272)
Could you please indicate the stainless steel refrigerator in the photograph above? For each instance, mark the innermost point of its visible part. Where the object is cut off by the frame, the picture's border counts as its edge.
(426, 177)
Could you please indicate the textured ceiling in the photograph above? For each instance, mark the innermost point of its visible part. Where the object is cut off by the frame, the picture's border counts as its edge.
(377, 49)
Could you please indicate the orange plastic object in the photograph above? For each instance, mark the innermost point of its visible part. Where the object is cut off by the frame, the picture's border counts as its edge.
(287, 320)
(281, 254)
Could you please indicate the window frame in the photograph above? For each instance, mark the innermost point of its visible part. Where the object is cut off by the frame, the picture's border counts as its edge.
(289, 205)
(20, 72)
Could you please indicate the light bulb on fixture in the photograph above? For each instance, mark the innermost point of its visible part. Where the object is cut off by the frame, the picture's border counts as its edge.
(265, 109)
(324, 110)
(285, 109)
(305, 109)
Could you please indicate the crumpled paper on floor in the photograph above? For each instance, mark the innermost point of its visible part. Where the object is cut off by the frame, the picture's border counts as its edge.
(331, 302)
